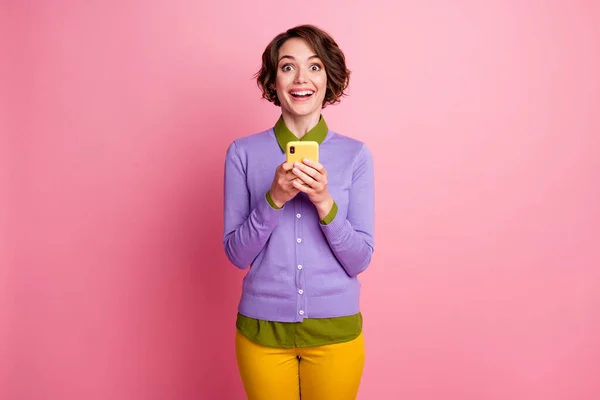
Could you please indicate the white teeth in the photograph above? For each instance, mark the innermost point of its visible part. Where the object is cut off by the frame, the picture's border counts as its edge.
(303, 93)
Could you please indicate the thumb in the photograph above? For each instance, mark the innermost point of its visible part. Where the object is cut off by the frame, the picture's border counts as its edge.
(287, 166)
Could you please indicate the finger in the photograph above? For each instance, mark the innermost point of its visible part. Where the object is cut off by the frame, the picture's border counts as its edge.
(319, 167)
(287, 166)
(308, 170)
(302, 187)
(307, 179)
(290, 177)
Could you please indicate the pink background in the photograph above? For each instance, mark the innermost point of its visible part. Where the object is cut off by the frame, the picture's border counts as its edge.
(483, 118)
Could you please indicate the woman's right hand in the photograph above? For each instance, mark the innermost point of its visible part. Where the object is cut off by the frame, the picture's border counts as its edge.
(282, 190)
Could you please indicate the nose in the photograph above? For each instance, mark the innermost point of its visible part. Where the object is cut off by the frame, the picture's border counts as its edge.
(300, 76)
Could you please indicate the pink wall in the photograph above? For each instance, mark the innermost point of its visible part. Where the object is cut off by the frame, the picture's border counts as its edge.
(484, 122)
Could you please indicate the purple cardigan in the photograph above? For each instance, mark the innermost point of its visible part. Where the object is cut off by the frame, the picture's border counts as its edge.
(300, 268)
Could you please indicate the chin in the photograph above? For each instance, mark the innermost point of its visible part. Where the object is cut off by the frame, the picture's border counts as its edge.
(302, 111)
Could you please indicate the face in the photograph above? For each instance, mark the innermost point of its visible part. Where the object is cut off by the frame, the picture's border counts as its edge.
(301, 80)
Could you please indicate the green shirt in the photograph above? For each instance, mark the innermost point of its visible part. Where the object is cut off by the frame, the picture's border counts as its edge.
(312, 331)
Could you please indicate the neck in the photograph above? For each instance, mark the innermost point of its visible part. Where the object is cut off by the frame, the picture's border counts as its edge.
(300, 125)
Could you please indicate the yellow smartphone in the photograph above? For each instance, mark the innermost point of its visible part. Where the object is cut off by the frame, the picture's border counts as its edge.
(299, 150)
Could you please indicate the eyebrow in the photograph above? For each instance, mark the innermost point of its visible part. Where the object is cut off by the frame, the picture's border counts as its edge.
(292, 58)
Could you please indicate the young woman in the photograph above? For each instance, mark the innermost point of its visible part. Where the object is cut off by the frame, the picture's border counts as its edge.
(305, 229)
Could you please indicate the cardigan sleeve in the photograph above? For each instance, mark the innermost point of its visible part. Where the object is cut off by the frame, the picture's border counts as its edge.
(246, 230)
(351, 236)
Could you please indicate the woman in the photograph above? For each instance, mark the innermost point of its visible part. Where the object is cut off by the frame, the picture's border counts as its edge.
(305, 230)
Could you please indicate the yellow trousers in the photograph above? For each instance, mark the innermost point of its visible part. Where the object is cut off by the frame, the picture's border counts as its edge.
(330, 372)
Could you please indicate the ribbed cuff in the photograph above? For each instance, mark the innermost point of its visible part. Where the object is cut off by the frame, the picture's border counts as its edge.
(266, 214)
(336, 230)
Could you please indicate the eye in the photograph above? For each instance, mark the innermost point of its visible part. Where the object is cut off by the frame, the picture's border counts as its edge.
(287, 67)
(315, 67)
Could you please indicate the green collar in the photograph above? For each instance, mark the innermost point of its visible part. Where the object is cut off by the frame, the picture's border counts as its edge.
(284, 135)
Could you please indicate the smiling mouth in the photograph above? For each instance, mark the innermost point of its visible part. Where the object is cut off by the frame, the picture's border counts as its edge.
(302, 94)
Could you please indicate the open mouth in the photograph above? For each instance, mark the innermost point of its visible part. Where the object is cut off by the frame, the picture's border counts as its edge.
(302, 94)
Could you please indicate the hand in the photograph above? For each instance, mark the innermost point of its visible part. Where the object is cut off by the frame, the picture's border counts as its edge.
(282, 189)
(312, 180)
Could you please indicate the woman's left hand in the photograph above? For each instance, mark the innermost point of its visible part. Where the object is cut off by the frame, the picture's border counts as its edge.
(313, 181)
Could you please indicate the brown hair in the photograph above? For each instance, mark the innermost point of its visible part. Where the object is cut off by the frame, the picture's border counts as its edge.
(338, 76)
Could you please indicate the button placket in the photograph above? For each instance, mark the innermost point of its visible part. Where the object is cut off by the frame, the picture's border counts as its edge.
(300, 298)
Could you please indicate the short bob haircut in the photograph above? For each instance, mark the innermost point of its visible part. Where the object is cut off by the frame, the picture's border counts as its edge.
(338, 76)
